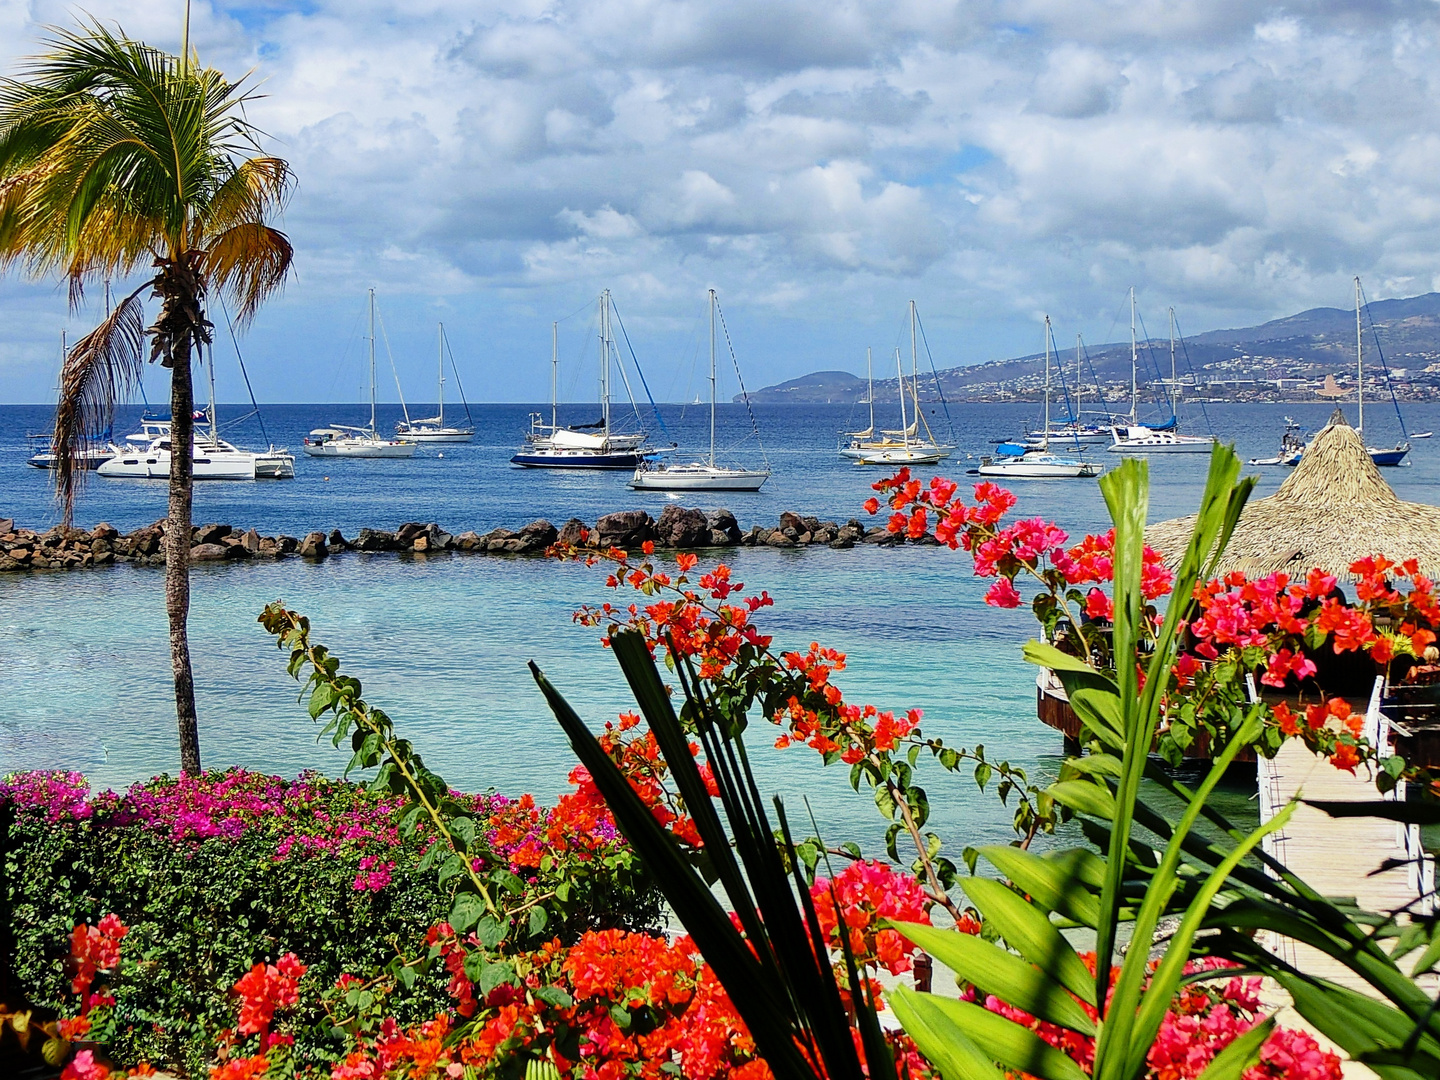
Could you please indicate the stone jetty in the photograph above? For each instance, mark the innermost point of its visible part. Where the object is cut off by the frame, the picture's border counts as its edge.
(677, 528)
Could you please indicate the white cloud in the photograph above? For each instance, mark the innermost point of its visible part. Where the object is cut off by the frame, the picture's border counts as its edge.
(820, 161)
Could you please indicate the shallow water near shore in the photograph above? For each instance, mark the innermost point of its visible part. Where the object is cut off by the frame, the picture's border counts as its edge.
(442, 643)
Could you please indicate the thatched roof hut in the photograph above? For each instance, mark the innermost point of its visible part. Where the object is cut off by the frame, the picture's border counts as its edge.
(1332, 510)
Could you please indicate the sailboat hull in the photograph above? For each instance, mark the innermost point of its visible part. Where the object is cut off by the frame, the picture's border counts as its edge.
(1040, 467)
(698, 477)
(559, 458)
(899, 455)
(436, 435)
(153, 464)
(360, 448)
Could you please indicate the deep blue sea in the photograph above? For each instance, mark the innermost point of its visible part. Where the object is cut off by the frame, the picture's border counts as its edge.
(442, 643)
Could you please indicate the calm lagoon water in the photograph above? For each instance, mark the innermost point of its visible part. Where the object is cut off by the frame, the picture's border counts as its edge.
(442, 643)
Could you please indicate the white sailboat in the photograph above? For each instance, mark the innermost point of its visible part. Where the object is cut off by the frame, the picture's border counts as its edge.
(699, 475)
(349, 441)
(1039, 463)
(1074, 431)
(432, 429)
(905, 446)
(581, 446)
(1139, 439)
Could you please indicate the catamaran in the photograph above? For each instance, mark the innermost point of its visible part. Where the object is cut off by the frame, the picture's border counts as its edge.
(701, 475)
(432, 429)
(350, 441)
(1139, 438)
(905, 446)
(582, 446)
(1039, 463)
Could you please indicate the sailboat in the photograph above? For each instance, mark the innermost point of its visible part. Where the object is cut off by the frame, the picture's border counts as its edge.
(432, 429)
(1072, 431)
(905, 446)
(349, 441)
(582, 446)
(1137, 437)
(700, 475)
(1332, 390)
(1039, 463)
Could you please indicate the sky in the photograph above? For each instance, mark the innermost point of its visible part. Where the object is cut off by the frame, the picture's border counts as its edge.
(818, 162)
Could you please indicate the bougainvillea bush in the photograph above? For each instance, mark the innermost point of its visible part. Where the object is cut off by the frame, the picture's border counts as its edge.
(214, 873)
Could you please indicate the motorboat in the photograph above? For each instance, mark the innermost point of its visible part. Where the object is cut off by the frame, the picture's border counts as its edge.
(701, 475)
(433, 429)
(352, 441)
(1292, 443)
(582, 446)
(1038, 464)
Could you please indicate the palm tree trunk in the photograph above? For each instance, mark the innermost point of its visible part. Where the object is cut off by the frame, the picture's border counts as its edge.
(177, 556)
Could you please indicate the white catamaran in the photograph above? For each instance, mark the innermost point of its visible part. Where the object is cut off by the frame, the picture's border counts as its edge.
(905, 446)
(349, 441)
(1136, 437)
(432, 429)
(700, 475)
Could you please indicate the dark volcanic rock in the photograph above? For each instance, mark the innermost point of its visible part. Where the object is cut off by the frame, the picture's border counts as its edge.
(540, 532)
(406, 534)
(209, 534)
(682, 528)
(779, 539)
(719, 538)
(103, 531)
(573, 533)
(723, 521)
(468, 541)
(208, 552)
(625, 529)
(251, 542)
(374, 540)
(794, 521)
(313, 546)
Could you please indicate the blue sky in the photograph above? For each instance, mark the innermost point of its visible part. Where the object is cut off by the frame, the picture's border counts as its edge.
(495, 164)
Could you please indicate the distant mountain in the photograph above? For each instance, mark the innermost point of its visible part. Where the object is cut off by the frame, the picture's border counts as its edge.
(1281, 359)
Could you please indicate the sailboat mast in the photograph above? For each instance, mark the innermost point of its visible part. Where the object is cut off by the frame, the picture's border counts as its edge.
(1045, 439)
(712, 378)
(1134, 365)
(605, 361)
(870, 393)
(214, 430)
(440, 359)
(372, 362)
(1174, 386)
(1077, 385)
(1359, 358)
(554, 372)
(904, 420)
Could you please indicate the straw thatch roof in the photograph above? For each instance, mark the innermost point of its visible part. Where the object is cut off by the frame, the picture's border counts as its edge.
(1332, 510)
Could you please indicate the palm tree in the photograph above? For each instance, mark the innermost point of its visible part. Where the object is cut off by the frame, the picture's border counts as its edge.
(115, 156)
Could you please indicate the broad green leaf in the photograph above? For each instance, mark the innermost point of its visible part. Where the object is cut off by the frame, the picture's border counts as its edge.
(494, 975)
(466, 911)
(1231, 1063)
(1100, 709)
(943, 1043)
(1045, 655)
(490, 931)
(1095, 764)
(1358, 1024)
(1058, 882)
(1013, 1046)
(538, 920)
(1027, 930)
(1001, 973)
(1084, 797)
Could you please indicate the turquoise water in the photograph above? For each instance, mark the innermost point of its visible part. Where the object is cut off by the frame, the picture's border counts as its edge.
(442, 644)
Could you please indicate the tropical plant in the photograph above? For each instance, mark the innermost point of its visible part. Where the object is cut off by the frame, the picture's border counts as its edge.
(115, 156)
(1223, 890)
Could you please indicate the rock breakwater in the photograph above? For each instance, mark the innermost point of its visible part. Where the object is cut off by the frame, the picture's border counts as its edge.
(677, 528)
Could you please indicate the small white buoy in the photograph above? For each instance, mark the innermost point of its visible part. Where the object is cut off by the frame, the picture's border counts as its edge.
(327, 479)
(440, 454)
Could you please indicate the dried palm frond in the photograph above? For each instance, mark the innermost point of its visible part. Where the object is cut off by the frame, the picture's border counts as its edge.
(102, 368)
(249, 261)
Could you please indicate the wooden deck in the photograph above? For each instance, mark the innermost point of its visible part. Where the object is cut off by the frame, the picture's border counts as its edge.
(1338, 856)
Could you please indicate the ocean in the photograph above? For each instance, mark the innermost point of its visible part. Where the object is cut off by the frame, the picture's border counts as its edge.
(442, 643)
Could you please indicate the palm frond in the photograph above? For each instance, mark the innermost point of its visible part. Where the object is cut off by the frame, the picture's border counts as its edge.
(249, 261)
(100, 369)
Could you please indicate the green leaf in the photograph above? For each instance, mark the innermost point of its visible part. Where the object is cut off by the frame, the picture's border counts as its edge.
(1061, 882)
(454, 866)
(494, 975)
(474, 965)
(466, 911)
(490, 931)
(940, 1039)
(464, 828)
(538, 919)
(997, 1037)
(1001, 973)
(1231, 1063)
(1085, 797)
(1027, 930)
(555, 995)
